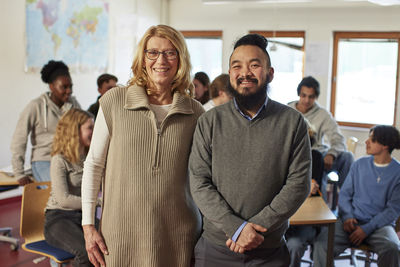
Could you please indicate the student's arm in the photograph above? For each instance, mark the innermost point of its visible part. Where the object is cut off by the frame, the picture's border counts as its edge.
(346, 194)
(336, 140)
(388, 215)
(59, 184)
(19, 141)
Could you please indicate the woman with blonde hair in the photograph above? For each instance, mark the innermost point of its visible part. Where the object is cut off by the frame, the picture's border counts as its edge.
(71, 143)
(141, 142)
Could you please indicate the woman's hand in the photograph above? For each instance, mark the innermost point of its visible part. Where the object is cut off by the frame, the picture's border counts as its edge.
(95, 246)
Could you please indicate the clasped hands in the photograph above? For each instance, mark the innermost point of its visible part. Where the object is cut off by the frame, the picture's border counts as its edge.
(357, 234)
(248, 239)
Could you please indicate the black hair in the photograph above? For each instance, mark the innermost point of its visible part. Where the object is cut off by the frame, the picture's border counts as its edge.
(203, 78)
(256, 40)
(310, 82)
(52, 70)
(386, 135)
(105, 78)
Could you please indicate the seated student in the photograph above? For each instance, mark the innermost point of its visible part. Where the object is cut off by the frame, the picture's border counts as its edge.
(369, 202)
(299, 237)
(104, 83)
(218, 92)
(323, 126)
(63, 215)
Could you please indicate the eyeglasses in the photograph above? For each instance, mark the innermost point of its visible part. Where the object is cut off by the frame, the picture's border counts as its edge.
(153, 54)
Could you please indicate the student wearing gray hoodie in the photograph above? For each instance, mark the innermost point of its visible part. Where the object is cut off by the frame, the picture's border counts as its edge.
(39, 120)
(323, 126)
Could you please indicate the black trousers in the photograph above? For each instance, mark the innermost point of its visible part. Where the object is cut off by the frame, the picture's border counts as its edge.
(208, 254)
(63, 229)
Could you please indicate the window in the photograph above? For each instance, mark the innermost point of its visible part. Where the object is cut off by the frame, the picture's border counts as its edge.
(205, 48)
(364, 78)
(286, 50)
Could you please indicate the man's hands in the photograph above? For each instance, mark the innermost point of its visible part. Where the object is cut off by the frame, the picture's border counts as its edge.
(357, 234)
(248, 239)
(95, 246)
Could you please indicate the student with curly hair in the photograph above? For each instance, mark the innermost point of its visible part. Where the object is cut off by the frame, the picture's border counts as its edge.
(64, 208)
(39, 120)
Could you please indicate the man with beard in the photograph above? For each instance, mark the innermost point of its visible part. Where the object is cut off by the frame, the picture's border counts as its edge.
(249, 167)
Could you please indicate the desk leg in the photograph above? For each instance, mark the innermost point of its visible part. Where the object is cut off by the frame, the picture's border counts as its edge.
(331, 235)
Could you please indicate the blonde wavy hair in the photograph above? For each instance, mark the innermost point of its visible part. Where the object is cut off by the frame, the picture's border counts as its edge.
(182, 81)
(66, 139)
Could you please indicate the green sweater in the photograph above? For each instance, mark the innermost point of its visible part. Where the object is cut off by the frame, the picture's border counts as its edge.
(258, 171)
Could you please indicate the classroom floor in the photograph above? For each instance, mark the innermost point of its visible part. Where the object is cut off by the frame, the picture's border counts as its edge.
(10, 217)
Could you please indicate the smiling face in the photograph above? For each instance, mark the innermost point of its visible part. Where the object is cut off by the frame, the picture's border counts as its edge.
(161, 71)
(248, 70)
(61, 90)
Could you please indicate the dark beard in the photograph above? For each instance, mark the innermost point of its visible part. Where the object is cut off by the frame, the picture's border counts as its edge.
(249, 101)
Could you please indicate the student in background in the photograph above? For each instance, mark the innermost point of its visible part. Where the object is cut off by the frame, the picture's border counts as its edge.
(323, 128)
(71, 143)
(104, 83)
(201, 83)
(219, 92)
(369, 202)
(39, 120)
(142, 140)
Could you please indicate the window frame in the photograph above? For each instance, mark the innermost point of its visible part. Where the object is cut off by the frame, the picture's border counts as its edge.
(361, 35)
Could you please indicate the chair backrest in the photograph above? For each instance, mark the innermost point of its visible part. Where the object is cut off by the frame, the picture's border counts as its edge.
(34, 199)
(352, 144)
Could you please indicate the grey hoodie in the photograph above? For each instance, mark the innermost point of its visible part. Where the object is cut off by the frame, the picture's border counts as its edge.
(328, 138)
(39, 119)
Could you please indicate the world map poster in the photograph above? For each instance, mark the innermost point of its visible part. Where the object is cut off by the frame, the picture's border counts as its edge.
(74, 31)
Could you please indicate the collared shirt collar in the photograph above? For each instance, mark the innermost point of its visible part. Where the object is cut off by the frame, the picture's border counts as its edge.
(247, 116)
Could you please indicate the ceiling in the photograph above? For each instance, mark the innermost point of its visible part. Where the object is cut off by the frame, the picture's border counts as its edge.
(308, 3)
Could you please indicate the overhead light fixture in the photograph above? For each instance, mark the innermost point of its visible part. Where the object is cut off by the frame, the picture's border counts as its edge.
(254, 1)
(385, 2)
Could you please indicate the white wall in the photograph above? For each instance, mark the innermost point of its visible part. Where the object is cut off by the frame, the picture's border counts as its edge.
(319, 24)
(18, 88)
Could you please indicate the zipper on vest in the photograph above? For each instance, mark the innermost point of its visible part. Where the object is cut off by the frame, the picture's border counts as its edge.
(157, 154)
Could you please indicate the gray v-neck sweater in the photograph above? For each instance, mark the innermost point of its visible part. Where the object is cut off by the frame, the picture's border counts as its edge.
(258, 170)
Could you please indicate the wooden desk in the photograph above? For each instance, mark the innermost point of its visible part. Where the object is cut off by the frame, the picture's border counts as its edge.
(7, 180)
(314, 211)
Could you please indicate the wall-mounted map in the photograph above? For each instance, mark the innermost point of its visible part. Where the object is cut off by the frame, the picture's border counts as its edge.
(75, 31)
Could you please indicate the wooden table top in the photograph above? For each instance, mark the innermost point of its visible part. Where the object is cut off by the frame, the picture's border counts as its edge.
(7, 180)
(313, 211)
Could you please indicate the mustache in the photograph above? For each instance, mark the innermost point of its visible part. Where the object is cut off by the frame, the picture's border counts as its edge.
(240, 80)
